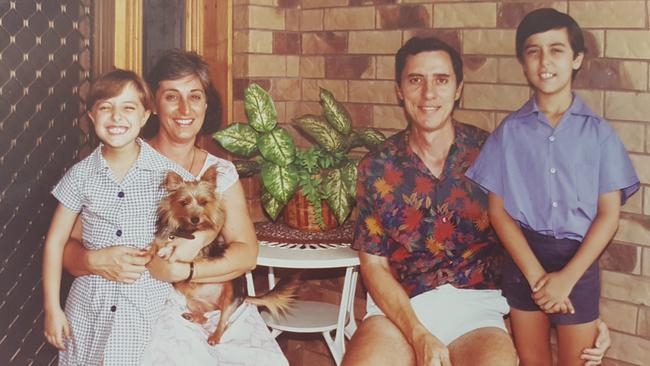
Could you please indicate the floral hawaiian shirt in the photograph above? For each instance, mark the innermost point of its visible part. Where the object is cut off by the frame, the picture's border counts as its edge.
(433, 230)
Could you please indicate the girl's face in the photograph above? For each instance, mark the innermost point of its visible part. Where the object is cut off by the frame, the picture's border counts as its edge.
(118, 120)
(181, 106)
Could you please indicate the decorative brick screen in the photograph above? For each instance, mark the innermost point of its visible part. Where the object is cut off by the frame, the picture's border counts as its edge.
(45, 58)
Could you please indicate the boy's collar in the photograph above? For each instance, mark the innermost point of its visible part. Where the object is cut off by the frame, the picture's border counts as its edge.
(577, 107)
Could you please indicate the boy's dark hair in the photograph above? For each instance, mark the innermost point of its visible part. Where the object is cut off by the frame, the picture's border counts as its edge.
(545, 19)
(175, 64)
(416, 45)
(113, 82)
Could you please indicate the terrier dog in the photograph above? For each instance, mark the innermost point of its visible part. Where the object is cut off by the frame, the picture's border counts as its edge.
(193, 206)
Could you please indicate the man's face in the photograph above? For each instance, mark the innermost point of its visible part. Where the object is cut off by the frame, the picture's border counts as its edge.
(429, 90)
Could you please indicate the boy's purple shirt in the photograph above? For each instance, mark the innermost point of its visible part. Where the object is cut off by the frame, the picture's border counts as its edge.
(550, 178)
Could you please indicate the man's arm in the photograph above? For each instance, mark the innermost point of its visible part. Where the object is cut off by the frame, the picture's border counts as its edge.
(117, 263)
(395, 303)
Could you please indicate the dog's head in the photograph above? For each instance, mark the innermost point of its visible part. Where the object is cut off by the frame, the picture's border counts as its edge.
(191, 206)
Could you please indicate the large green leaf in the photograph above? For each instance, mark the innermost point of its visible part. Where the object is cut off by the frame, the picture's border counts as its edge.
(349, 177)
(337, 195)
(238, 138)
(247, 168)
(271, 205)
(335, 113)
(260, 109)
(371, 137)
(320, 131)
(280, 182)
(277, 146)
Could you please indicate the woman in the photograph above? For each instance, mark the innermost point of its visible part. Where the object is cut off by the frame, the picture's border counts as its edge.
(183, 96)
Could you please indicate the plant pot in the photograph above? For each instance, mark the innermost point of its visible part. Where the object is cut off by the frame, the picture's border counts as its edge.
(299, 214)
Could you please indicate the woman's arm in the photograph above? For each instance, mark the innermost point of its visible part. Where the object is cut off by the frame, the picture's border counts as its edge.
(395, 303)
(241, 256)
(116, 263)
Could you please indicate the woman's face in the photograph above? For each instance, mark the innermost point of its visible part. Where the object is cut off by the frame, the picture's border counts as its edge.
(181, 106)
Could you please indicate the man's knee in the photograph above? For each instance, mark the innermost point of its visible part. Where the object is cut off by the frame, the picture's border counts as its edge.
(378, 341)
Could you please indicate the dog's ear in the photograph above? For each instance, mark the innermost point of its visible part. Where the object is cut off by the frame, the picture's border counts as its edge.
(173, 181)
(210, 175)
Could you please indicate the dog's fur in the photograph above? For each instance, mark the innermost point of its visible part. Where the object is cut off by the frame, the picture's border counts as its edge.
(194, 206)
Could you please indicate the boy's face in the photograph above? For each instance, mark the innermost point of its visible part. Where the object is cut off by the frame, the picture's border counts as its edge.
(548, 61)
(118, 120)
(429, 90)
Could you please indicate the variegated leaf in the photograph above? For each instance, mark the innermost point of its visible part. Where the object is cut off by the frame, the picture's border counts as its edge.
(260, 109)
(277, 146)
(371, 137)
(337, 195)
(238, 138)
(335, 113)
(349, 176)
(318, 129)
(246, 168)
(280, 182)
(271, 205)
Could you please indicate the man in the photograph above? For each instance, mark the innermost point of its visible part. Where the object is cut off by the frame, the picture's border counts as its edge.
(429, 258)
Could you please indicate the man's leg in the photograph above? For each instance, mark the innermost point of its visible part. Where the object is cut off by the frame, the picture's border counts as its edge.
(485, 347)
(378, 341)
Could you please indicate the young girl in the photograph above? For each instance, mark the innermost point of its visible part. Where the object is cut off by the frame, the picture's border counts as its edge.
(557, 175)
(116, 190)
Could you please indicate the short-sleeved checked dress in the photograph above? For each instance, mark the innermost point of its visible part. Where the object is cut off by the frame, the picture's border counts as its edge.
(176, 341)
(111, 321)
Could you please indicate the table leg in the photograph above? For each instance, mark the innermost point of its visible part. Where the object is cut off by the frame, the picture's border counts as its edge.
(337, 345)
(351, 327)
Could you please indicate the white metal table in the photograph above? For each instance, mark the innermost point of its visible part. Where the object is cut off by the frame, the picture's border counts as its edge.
(313, 316)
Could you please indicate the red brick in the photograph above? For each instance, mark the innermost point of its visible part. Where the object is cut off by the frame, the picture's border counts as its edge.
(620, 258)
(450, 36)
(288, 3)
(239, 85)
(510, 14)
(404, 16)
(324, 43)
(361, 114)
(372, 2)
(286, 43)
(346, 67)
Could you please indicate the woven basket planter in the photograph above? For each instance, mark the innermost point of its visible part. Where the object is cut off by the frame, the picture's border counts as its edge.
(299, 214)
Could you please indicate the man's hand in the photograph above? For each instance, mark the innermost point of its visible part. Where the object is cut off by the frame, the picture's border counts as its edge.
(594, 356)
(552, 291)
(118, 263)
(429, 351)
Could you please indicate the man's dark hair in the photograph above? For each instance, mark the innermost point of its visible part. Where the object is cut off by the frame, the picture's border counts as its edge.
(545, 19)
(416, 45)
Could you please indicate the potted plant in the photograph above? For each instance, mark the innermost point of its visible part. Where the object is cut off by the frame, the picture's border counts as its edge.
(325, 172)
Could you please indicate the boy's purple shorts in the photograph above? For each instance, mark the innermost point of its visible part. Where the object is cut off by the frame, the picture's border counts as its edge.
(553, 254)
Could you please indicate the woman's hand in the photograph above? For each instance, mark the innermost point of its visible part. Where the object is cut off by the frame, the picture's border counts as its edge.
(168, 272)
(56, 328)
(118, 263)
(182, 249)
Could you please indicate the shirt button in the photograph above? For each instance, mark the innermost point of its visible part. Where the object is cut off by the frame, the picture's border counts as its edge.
(120, 194)
(554, 204)
(113, 308)
(551, 138)
(118, 233)
(553, 171)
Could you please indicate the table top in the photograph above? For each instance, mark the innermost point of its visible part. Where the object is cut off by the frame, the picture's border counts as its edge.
(285, 248)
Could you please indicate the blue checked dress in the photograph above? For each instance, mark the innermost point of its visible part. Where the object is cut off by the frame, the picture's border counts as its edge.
(111, 321)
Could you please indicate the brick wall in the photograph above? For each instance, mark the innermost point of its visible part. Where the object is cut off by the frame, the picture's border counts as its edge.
(292, 47)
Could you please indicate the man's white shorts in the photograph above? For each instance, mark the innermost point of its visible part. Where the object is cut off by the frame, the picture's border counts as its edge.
(448, 312)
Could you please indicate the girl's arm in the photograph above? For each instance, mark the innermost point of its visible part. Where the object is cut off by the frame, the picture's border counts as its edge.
(241, 256)
(601, 231)
(116, 263)
(513, 240)
(56, 326)
(395, 303)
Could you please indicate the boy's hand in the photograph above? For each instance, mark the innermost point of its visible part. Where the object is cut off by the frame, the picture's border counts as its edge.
(56, 328)
(551, 292)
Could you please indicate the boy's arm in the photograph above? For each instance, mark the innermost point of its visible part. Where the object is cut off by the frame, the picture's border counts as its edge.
(600, 232)
(513, 240)
(116, 263)
(395, 303)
